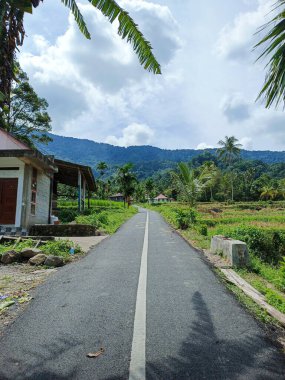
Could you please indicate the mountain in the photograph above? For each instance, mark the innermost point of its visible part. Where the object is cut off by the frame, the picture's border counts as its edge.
(147, 159)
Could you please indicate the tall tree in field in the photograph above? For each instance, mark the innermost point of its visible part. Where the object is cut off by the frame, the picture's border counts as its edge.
(12, 35)
(273, 90)
(228, 153)
(126, 181)
(102, 186)
(27, 117)
(188, 186)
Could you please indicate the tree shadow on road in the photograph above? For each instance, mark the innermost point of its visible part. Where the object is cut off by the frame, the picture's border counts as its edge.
(46, 366)
(204, 356)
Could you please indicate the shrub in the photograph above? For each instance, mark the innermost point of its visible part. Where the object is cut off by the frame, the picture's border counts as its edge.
(268, 245)
(185, 219)
(67, 215)
(203, 230)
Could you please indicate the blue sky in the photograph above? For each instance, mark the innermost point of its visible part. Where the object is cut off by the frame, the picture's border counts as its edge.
(97, 90)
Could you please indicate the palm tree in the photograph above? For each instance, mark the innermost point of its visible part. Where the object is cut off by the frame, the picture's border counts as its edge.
(102, 167)
(188, 186)
(269, 192)
(229, 151)
(208, 176)
(12, 35)
(127, 182)
(273, 90)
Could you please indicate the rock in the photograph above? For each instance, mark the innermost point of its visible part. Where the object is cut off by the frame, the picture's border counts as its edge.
(54, 261)
(27, 253)
(10, 257)
(39, 259)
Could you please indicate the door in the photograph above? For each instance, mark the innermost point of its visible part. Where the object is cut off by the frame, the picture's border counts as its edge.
(8, 200)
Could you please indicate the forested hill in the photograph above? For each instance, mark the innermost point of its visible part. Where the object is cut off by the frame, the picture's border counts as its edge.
(147, 159)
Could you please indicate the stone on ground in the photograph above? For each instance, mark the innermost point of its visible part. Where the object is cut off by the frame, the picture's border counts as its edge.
(54, 261)
(27, 253)
(39, 259)
(10, 257)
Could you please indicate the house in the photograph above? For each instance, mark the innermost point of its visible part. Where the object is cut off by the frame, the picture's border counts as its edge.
(28, 180)
(117, 197)
(161, 198)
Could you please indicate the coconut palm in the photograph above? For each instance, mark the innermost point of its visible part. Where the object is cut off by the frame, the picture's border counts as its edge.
(12, 35)
(273, 90)
(188, 186)
(102, 167)
(268, 192)
(208, 176)
(229, 151)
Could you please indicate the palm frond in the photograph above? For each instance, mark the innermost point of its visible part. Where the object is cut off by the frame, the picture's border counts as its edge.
(129, 30)
(273, 90)
(71, 4)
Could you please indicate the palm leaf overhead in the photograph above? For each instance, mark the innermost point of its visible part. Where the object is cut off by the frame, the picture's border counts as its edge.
(71, 4)
(273, 90)
(127, 29)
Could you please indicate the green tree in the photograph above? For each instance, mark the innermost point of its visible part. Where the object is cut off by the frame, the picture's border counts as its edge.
(228, 153)
(101, 167)
(27, 117)
(126, 181)
(188, 186)
(12, 35)
(209, 176)
(273, 90)
(269, 193)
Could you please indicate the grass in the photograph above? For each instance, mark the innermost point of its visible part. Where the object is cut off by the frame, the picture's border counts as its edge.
(65, 203)
(108, 220)
(56, 248)
(248, 303)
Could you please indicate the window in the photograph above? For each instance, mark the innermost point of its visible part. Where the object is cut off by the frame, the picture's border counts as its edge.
(34, 191)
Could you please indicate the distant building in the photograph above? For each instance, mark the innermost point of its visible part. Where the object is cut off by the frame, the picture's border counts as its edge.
(161, 198)
(117, 197)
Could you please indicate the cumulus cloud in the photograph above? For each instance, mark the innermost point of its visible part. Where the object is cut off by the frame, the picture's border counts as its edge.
(204, 145)
(133, 134)
(235, 108)
(237, 39)
(96, 86)
(246, 143)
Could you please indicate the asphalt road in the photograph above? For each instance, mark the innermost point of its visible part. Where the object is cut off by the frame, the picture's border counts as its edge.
(169, 316)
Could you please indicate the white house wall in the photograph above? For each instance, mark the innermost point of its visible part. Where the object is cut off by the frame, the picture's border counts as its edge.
(13, 162)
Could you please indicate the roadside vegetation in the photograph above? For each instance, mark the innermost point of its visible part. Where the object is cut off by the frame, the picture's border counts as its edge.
(106, 216)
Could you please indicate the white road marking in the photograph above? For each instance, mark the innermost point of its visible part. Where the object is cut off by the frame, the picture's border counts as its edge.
(137, 364)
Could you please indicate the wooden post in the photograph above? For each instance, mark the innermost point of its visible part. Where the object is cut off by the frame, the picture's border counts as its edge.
(88, 194)
(79, 190)
(84, 192)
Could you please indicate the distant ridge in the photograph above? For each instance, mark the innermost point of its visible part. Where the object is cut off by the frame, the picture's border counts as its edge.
(90, 153)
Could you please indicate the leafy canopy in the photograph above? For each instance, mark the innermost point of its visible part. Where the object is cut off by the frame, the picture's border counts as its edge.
(27, 117)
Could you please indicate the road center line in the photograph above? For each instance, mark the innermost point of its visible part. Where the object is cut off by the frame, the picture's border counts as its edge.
(137, 364)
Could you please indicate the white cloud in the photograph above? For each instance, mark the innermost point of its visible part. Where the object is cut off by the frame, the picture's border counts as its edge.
(133, 134)
(237, 39)
(246, 143)
(204, 145)
(235, 108)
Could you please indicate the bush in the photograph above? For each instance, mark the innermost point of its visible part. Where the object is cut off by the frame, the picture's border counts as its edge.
(185, 219)
(67, 215)
(203, 230)
(268, 245)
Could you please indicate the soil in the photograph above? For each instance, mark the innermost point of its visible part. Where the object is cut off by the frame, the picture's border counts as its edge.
(17, 282)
